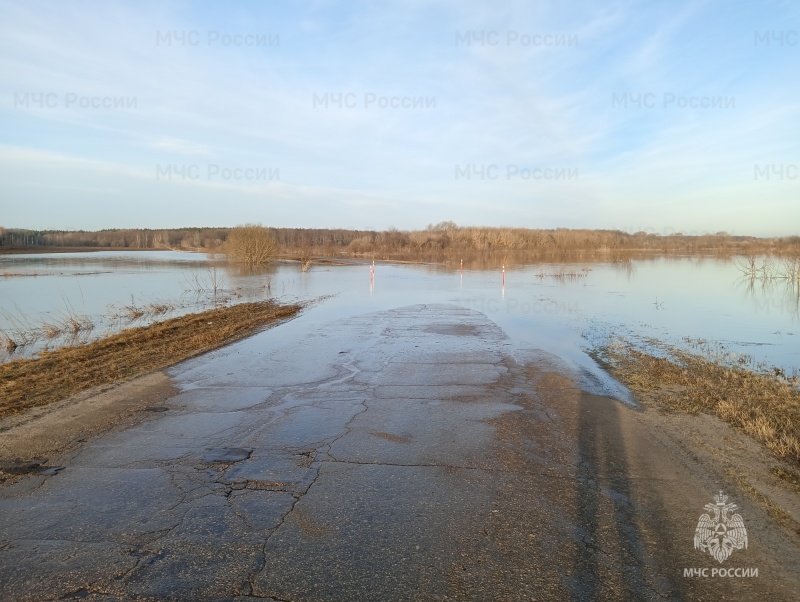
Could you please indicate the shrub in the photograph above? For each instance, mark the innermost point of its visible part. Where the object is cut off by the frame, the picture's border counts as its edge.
(250, 244)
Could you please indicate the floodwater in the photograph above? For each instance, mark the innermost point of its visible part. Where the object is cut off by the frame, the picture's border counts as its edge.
(566, 309)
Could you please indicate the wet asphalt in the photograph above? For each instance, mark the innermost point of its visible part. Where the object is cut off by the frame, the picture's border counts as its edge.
(410, 454)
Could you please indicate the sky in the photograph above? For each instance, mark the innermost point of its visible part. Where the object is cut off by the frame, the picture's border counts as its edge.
(680, 116)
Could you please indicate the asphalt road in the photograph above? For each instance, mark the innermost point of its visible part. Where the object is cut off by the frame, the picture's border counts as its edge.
(413, 454)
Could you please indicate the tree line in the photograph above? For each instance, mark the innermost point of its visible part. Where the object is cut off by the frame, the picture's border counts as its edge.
(432, 241)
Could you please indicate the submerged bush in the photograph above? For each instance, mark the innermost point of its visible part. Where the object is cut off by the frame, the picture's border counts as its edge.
(251, 244)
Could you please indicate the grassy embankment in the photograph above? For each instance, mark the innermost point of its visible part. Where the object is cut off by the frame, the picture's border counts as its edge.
(56, 375)
(764, 406)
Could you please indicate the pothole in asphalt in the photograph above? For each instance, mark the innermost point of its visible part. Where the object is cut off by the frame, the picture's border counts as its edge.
(76, 595)
(22, 467)
(226, 455)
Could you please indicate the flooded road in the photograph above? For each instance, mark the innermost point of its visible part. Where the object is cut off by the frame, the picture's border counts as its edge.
(417, 452)
(697, 304)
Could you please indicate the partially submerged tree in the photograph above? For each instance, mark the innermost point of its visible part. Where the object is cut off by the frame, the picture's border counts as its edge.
(251, 244)
(305, 259)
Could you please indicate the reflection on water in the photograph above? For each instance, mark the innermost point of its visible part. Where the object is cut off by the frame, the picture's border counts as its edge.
(564, 308)
(781, 293)
(50, 300)
(626, 268)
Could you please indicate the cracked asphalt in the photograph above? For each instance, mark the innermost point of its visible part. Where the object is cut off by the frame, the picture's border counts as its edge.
(409, 454)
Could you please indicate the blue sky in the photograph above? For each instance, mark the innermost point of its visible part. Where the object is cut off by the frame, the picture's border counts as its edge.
(658, 116)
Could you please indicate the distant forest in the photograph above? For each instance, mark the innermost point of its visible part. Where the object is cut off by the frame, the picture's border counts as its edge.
(444, 238)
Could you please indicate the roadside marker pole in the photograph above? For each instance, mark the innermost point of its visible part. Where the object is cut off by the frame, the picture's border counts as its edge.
(462, 266)
(504, 275)
(372, 277)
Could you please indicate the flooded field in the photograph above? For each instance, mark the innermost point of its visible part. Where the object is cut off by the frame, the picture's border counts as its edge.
(567, 309)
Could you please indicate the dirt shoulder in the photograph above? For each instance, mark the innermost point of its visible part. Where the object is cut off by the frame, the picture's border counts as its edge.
(745, 424)
(648, 473)
(35, 441)
(54, 403)
(725, 454)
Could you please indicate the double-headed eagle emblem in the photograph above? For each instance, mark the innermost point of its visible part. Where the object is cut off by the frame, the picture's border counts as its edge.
(720, 532)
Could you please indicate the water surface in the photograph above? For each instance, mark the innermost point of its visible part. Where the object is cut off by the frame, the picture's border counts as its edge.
(566, 309)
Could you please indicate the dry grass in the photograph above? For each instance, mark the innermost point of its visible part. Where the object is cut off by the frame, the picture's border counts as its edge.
(75, 324)
(51, 331)
(776, 511)
(132, 312)
(764, 406)
(787, 476)
(19, 331)
(22, 332)
(211, 282)
(58, 374)
(158, 309)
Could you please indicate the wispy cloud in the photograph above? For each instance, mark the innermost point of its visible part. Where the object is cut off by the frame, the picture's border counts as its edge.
(182, 147)
(413, 91)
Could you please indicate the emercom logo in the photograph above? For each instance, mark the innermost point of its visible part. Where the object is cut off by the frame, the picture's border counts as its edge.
(720, 531)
